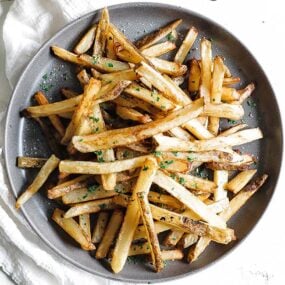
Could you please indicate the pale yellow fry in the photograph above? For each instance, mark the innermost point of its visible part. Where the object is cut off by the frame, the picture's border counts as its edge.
(159, 49)
(86, 41)
(128, 74)
(132, 114)
(67, 55)
(73, 229)
(83, 77)
(220, 178)
(233, 130)
(110, 233)
(224, 110)
(230, 95)
(114, 138)
(188, 199)
(246, 92)
(100, 227)
(172, 238)
(84, 222)
(186, 45)
(206, 69)
(90, 167)
(240, 180)
(131, 219)
(196, 128)
(50, 165)
(170, 90)
(157, 35)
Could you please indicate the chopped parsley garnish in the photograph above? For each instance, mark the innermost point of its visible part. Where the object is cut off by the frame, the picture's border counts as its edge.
(157, 153)
(191, 158)
(138, 89)
(96, 129)
(110, 64)
(232, 121)
(46, 86)
(80, 140)
(98, 152)
(85, 196)
(95, 59)
(45, 77)
(181, 180)
(92, 188)
(170, 37)
(125, 154)
(172, 175)
(101, 159)
(102, 206)
(94, 119)
(164, 164)
(145, 168)
(250, 103)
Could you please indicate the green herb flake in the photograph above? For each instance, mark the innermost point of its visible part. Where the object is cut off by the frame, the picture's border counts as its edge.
(250, 103)
(98, 152)
(92, 188)
(94, 119)
(181, 180)
(100, 159)
(95, 59)
(232, 122)
(125, 154)
(85, 196)
(96, 129)
(164, 164)
(145, 168)
(102, 206)
(45, 76)
(157, 153)
(137, 88)
(170, 37)
(80, 140)
(110, 64)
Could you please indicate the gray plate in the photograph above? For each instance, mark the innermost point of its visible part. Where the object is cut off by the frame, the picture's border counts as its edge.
(23, 137)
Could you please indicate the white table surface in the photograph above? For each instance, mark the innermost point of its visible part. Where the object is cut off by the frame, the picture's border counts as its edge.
(260, 25)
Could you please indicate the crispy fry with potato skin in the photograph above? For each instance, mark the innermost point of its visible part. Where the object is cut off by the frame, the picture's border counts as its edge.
(86, 41)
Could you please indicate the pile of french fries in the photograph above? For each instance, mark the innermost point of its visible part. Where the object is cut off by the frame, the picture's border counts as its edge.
(128, 149)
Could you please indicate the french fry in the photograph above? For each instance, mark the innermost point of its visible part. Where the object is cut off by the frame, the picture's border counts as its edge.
(132, 216)
(240, 180)
(196, 128)
(150, 230)
(180, 133)
(216, 92)
(187, 198)
(186, 45)
(128, 74)
(246, 92)
(170, 90)
(50, 165)
(130, 135)
(220, 178)
(110, 234)
(159, 49)
(103, 64)
(136, 56)
(206, 69)
(68, 93)
(152, 97)
(156, 36)
(101, 33)
(86, 41)
(220, 235)
(100, 227)
(84, 223)
(90, 207)
(56, 108)
(67, 55)
(173, 238)
(227, 72)
(194, 76)
(132, 114)
(164, 199)
(233, 130)
(231, 81)
(238, 138)
(73, 229)
(230, 95)
(30, 162)
(179, 80)
(54, 119)
(168, 67)
(235, 204)
(187, 240)
(83, 77)
(224, 110)
(68, 186)
(110, 47)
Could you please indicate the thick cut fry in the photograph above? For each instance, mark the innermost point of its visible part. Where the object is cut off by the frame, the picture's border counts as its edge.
(188, 199)
(220, 178)
(128, 74)
(152, 97)
(90, 167)
(50, 165)
(101, 33)
(64, 106)
(136, 56)
(103, 64)
(224, 110)
(239, 138)
(110, 234)
(90, 91)
(132, 216)
(216, 92)
(240, 180)
(194, 76)
(67, 55)
(156, 36)
(170, 90)
(196, 128)
(84, 222)
(220, 235)
(230, 95)
(150, 230)
(30, 162)
(132, 114)
(90, 207)
(73, 229)
(130, 135)
(168, 67)
(54, 119)
(206, 69)
(68, 186)
(235, 204)
(86, 41)
(186, 45)
(159, 49)
(99, 229)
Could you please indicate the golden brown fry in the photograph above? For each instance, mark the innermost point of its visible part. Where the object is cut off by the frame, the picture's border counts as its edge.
(187, 240)
(130, 135)
(50, 165)
(73, 229)
(132, 114)
(83, 77)
(68, 93)
(30, 162)
(110, 234)
(128, 74)
(173, 238)
(194, 76)
(84, 223)
(224, 110)
(230, 95)
(156, 36)
(159, 228)
(159, 49)
(186, 45)
(86, 41)
(110, 47)
(67, 55)
(230, 81)
(164, 199)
